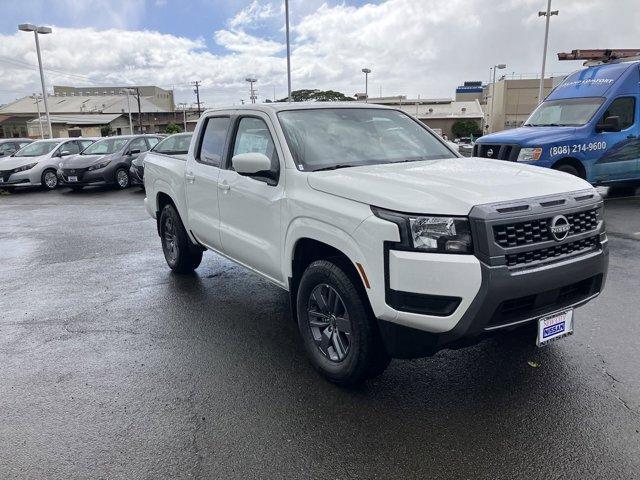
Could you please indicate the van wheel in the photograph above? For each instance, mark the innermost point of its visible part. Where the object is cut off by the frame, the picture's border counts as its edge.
(338, 332)
(49, 180)
(568, 169)
(181, 255)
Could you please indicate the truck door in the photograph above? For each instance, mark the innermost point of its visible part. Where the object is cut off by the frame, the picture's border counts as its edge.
(250, 207)
(201, 180)
(621, 158)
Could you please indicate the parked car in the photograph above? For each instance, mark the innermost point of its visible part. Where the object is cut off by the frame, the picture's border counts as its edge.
(388, 242)
(176, 145)
(36, 163)
(106, 162)
(588, 126)
(9, 146)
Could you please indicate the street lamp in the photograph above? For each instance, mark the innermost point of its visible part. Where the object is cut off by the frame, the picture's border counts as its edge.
(493, 91)
(547, 14)
(127, 91)
(252, 93)
(286, 15)
(366, 72)
(28, 27)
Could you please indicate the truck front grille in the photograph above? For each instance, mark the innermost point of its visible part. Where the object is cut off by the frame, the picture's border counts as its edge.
(561, 250)
(536, 231)
(496, 151)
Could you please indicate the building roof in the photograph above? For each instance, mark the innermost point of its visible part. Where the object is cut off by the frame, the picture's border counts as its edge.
(81, 119)
(81, 104)
(452, 109)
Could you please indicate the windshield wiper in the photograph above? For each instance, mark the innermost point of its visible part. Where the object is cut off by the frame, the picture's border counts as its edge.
(337, 166)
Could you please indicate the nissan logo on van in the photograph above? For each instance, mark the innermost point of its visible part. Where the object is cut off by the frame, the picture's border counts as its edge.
(559, 227)
(490, 152)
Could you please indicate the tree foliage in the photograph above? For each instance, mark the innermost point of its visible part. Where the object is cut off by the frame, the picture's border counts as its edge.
(106, 130)
(466, 128)
(172, 128)
(315, 95)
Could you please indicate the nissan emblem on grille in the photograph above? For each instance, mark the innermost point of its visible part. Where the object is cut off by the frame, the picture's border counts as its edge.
(559, 227)
(490, 152)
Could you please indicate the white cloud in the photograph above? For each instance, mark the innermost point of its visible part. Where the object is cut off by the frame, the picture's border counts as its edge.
(425, 47)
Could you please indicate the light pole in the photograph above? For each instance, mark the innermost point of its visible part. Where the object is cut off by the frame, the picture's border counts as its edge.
(35, 97)
(184, 115)
(366, 72)
(127, 91)
(252, 93)
(28, 27)
(493, 92)
(547, 14)
(286, 14)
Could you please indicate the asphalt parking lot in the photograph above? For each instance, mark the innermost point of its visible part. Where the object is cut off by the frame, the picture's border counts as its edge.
(113, 367)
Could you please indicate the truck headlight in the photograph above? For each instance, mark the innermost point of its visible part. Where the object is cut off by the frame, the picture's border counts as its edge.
(529, 154)
(98, 166)
(431, 233)
(24, 167)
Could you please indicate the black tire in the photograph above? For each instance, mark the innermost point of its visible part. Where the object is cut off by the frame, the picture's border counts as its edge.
(123, 180)
(343, 343)
(49, 180)
(76, 188)
(570, 169)
(181, 255)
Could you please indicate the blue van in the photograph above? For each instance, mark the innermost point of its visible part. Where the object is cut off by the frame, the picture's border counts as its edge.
(588, 126)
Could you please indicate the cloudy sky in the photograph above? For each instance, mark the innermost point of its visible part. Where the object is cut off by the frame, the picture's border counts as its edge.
(414, 47)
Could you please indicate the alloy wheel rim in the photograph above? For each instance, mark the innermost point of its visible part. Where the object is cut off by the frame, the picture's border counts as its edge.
(50, 180)
(170, 242)
(329, 322)
(122, 178)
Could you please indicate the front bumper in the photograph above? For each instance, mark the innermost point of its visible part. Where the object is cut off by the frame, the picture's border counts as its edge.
(505, 301)
(20, 179)
(104, 176)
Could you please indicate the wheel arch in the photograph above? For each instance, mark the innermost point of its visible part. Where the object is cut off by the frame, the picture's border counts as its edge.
(573, 162)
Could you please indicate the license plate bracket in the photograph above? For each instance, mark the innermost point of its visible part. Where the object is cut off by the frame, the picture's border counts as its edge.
(73, 178)
(554, 326)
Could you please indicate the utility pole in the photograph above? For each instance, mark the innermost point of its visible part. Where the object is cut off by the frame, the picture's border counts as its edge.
(127, 91)
(547, 14)
(286, 14)
(35, 97)
(252, 93)
(197, 84)
(184, 115)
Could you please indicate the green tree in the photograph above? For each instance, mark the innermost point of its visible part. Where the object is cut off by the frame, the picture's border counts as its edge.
(106, 130)
(315, 95)
(172, 128)
(465, 128)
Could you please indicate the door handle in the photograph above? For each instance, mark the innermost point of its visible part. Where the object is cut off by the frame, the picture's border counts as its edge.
(190, 177)
(224, 185)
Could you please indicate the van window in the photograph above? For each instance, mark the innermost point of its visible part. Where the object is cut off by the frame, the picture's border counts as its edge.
(212, 143)
(623, 107)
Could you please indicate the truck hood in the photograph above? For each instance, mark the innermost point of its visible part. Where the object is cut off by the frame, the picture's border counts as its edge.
(530, 136)
(446, 187)
(83, 161)
(9, 163)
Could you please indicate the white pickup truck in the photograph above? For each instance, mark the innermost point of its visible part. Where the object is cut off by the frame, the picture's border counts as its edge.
(390, 244)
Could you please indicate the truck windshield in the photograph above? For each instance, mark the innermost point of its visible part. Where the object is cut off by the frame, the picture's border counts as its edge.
(36, 149)
(568, 112)
(106, 146)
(329, 138)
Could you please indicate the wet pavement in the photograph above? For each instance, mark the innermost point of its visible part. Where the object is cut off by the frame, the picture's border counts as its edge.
(113, 367)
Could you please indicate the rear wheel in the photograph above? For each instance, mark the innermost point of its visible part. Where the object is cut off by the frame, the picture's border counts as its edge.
(338, 332)
(122, 178)
(49, 180)
(181, 255)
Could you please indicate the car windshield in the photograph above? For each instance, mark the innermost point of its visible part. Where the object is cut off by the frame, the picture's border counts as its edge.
(326, 138)
(106, 146)
(568, 112)
(36, 149)
(174, 145)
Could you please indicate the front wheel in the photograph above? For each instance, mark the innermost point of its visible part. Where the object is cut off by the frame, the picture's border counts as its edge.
(49, 180)
(122, 178)
(338, 332)
(181, 255)
(568, 169)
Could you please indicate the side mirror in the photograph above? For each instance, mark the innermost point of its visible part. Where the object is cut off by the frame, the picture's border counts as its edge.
(251, 163)
(135, 151)
(610, 124)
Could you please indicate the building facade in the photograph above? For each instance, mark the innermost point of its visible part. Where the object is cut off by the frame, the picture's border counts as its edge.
(160, 97)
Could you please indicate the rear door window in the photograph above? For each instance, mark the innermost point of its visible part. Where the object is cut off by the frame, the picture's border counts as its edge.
(212, 142)
(138, 144)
